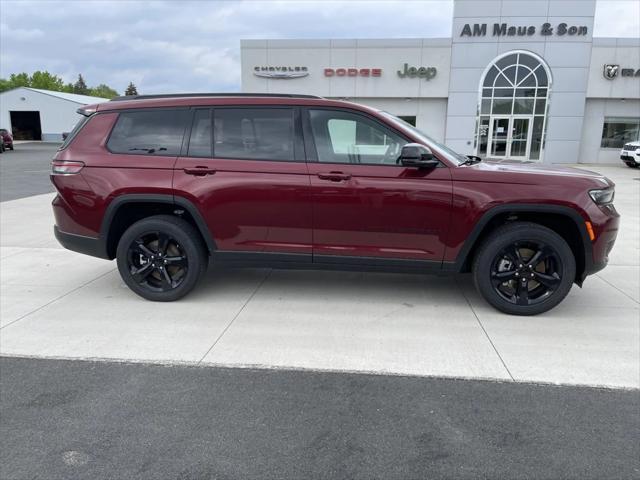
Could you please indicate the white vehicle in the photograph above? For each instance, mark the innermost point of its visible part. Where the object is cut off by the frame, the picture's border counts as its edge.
(630, 154)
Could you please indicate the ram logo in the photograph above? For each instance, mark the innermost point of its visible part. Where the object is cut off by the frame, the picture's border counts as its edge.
(610, 71)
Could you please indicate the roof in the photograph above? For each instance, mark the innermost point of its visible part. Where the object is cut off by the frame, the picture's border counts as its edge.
(226, 100)
(71, 97)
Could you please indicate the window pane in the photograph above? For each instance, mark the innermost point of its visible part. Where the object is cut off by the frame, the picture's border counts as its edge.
(342, 137)
(510, 73)
(540, 105)
(522, 73)
(503, 92)
(542, 77)
(486, 92)
(525, 92)
(618, 131)
(501, 81)
(523, 106)
(200, 141)
(149, 132)
(490, 77)
(506, 61)
(486, 106)
(542, 92)
(254, 133)
(529, 61)
(502, 106)
(536, 138)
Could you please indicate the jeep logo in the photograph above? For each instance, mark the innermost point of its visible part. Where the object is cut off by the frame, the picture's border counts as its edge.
(421, 72)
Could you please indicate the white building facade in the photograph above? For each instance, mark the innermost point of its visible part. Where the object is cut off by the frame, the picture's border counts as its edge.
(518, 80)
(35, 114)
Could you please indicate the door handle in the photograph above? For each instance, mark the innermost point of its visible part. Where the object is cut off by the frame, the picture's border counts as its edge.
(334, 176)
(199, 171)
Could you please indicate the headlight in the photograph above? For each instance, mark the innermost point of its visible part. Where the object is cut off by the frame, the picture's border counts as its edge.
(602, 197)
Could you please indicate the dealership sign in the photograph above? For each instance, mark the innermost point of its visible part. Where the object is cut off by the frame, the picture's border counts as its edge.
(610, 72)
(506, 30)
(352, 72)
(280, 72)
(420, 72)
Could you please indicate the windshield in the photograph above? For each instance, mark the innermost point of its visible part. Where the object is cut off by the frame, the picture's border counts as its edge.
(452, 156)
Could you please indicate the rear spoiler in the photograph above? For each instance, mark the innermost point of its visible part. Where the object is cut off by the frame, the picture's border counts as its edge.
(87, 110)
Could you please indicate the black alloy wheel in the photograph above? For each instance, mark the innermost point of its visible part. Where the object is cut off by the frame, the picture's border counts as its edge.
(524, 268)
(161, 258)
(157, 261)
(526, 273)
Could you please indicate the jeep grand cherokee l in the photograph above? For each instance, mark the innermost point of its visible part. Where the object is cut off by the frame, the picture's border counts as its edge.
(168, 184)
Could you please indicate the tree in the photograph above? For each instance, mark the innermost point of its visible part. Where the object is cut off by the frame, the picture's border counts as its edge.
(46, 81)
(131, 89)
(103, 91)
(80, 86)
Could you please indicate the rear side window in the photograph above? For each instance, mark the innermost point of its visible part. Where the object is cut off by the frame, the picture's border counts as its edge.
(149, 132)
(81, 123)
(254, 134)
(200, 141)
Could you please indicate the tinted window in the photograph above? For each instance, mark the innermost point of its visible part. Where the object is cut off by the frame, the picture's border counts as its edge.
(200, 141)
(343, 137)
(81, 122)
(149, 132)
(254, 134)
(618, 131)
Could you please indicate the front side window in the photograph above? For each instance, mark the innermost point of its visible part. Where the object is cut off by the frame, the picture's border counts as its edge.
(149, 132)
(254, 133)
(619, 130)
(343, 137)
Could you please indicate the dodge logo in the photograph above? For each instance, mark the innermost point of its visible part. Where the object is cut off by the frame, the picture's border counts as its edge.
(610, 71)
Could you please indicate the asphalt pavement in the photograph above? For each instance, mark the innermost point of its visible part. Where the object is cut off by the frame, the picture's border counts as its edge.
(25, 170)
(97, 420)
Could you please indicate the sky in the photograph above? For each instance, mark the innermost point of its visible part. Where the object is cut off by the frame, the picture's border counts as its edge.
(195, 45)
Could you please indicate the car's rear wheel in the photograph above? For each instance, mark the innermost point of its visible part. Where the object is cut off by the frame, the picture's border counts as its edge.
(161, 258)
(524, 269)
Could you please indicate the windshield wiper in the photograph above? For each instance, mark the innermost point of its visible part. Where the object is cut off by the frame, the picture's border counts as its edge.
(148, 150)
(471, 159)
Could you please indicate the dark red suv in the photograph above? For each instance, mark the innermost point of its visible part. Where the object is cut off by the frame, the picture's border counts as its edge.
(166, 184)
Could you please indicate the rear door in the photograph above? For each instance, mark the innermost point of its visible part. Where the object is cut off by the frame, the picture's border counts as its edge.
(364, 203)
(245, 171)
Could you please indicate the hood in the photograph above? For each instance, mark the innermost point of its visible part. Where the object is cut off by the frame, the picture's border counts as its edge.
(533, 173)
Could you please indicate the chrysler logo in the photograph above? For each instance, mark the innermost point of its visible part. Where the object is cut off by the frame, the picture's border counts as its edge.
(610, 71)
(280, 72)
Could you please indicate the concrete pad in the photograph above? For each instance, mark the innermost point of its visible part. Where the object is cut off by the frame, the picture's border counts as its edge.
(591, 338)
(8, 251)
(624, 278)
(360, 322)
(28, 222)
(106, 320)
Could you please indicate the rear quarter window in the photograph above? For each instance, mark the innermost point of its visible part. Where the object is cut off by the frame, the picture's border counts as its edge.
(149, 132)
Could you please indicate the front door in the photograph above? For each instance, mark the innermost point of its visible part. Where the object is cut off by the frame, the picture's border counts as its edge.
(510, 137)
(364, 203)
(244, 169)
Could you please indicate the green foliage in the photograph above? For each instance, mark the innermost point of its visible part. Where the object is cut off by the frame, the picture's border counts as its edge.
(103, 91)
(131, 89)
(80, 87)
(48, 81)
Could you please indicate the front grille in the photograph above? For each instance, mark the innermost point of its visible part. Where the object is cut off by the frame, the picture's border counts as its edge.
(630, 147)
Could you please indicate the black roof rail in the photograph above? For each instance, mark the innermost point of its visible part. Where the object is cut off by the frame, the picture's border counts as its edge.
(187, 95)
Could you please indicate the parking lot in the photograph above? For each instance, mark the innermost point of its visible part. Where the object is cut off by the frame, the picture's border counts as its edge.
(59, 304)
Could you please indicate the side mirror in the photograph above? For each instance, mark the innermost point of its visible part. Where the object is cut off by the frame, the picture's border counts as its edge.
(417, 155)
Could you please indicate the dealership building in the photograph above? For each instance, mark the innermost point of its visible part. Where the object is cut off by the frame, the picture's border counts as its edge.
(518, 80)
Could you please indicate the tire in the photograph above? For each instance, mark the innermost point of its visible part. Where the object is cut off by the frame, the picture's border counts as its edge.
(157, 272)
(508, 257)
(11, 147)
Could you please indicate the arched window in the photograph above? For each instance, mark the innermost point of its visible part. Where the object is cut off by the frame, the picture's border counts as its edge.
(514, 93)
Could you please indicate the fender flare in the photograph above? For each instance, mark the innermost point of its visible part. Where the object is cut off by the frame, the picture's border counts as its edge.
(179, 202)
(516, 208)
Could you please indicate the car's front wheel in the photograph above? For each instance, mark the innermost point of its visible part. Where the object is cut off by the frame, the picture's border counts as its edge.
(524, 269)
(161, 258)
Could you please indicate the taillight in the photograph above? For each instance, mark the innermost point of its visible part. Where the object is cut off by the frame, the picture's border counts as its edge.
(66, 167)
